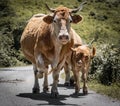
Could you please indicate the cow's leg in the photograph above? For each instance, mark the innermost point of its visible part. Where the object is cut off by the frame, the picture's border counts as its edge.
(67, 74)
(40, 65)
(56, 71)
(45, 84)
(54, 90)
(36, 84)
(84, 77)
(77, 81)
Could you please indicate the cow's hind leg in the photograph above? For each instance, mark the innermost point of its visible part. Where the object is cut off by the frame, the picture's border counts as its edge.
(36, 83)
(67, 75)
(45, 85)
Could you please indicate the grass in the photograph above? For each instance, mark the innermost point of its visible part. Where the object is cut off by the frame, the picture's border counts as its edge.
(111, 91)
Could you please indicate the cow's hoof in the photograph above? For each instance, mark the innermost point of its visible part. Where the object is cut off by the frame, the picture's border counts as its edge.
(67, 84)
(54, 94)
(76, 93)
(85, 92)
(35, 90)
(45, 89)
(72, 83)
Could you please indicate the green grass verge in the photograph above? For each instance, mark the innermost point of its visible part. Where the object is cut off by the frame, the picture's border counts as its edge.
(111, 91)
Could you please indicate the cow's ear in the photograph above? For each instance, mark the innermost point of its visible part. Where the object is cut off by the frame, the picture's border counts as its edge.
(76, 18)
(48, 19)
(93, 52)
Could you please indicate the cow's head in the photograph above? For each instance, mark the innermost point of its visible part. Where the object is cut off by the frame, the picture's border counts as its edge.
(61, 19)
(82, 55)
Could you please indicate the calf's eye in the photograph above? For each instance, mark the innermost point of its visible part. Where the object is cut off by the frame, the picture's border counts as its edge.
(86, 57)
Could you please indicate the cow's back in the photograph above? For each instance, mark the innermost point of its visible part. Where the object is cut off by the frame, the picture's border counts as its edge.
(76, 37)
(29, 38)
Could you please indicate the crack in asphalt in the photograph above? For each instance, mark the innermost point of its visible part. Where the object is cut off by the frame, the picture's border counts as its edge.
(10, 81)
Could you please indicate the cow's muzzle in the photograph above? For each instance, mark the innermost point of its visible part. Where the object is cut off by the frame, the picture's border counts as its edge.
(79, 63)
(63, 39)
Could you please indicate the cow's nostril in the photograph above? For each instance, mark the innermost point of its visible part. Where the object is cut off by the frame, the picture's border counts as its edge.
(60, 37)
(67, 37)
(64, 37)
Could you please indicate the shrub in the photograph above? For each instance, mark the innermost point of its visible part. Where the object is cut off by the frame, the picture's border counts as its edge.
(106, 66)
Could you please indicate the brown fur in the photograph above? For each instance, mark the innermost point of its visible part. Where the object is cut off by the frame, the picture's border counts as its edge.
(40, 44)
(81, 58)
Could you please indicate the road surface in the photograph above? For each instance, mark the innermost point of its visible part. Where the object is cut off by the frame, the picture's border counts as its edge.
(16, 87)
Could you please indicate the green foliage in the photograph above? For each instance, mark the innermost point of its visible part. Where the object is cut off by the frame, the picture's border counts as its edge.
(106, 66)
(99, 17)
(6, 50)
(111, 67)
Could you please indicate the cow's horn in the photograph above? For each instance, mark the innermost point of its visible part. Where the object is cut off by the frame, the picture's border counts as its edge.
(79, 8)
(50, 9)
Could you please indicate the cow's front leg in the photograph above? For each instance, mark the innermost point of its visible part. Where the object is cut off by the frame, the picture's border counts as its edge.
(77, 81)
(54, 90)
(84, 77)
(45, 85)
(36, 84)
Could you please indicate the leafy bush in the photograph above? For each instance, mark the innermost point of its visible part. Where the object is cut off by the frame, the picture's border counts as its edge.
(106, 67)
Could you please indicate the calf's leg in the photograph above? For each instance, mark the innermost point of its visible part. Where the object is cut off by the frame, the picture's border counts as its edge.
(85, 87)
(77, 81)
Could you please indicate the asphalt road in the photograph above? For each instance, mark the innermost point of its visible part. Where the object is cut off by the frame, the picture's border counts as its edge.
(16, 87)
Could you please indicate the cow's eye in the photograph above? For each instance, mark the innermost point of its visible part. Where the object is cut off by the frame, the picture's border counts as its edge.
(70, 21)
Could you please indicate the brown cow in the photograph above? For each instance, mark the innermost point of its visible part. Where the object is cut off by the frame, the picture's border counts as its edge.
(47, 39)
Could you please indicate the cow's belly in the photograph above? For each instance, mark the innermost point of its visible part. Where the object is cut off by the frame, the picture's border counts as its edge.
(27, 46)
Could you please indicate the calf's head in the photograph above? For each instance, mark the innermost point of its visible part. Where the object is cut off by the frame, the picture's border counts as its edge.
(82, 55)
(61, 20)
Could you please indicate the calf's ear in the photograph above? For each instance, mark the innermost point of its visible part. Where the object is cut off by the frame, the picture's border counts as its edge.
(93, 52)
(48, 19)
(76, 18)
(73, 49)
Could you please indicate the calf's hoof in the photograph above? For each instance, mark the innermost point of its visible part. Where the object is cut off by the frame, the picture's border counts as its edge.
(67, 84)
(54, 94)
(35, 90)
(85, 91)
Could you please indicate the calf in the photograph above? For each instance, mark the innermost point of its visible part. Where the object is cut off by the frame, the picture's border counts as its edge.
(80, 61)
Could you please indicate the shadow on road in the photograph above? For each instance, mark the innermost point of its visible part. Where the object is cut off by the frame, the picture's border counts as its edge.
(47, 98)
